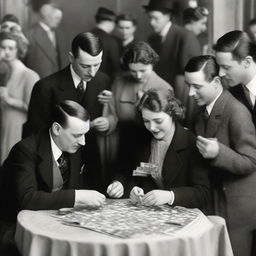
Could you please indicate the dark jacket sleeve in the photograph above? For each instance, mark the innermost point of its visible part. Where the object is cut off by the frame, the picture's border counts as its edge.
(24, 185)
(39, 111)
(197, 191)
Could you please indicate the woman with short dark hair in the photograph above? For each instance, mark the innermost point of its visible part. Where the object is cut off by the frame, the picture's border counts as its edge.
(175, 170)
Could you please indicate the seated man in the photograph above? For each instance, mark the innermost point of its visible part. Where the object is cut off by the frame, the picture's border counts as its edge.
(44, 171)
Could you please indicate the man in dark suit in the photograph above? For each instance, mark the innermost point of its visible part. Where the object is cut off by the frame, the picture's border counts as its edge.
(47, 43)
(175, 46)
(105, 20)
(236, 55)
(227, 140)
(79, 82)
(44, 171)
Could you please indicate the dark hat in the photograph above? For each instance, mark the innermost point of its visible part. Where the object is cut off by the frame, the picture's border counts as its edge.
(105, 14)
(159, 5)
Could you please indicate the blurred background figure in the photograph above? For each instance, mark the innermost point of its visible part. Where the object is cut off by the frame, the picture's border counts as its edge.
(10, 23)
(15, 95)
(195, 20)
(126, 26)
(5, 72)
(105, 20)
(46, 42)
(252, 29)
(139, 61)
(175, 46)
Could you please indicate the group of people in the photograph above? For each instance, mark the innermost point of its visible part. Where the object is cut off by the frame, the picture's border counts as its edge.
(86, 132)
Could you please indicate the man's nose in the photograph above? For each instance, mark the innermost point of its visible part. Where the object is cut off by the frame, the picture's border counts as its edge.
(92, 71)
(192, 91)
(139, 75)
(222, 72)
(82, 140)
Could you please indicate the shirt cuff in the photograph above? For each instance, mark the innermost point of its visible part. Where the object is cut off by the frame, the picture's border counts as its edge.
(78, 198)
(172, 198)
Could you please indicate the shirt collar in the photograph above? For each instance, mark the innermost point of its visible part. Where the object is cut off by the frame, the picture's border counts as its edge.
(210, 106)
(45, 27)
(251, 86)
(55, 149)
(76, 78)
(165, 30)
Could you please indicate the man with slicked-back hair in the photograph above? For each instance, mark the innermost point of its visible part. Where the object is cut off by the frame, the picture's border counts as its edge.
(236, 55)
(81, 82)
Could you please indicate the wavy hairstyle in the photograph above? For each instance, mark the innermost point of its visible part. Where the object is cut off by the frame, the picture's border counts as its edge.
(162, 100)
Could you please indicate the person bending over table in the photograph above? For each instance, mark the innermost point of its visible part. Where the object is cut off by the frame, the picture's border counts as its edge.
(180, 177)
(45, 171)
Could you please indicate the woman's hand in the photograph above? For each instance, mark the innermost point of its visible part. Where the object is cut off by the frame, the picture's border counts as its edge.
(115, 189)
(157, 197)
(136, 195)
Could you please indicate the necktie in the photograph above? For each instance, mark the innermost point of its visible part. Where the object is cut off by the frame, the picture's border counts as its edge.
(80, 90)
(205, 118)
(52, 37)
(63, 166)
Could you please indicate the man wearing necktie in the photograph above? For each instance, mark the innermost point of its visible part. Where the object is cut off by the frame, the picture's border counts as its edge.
(45, 171)
(236, 55)
(228, 144)
(81, 82)
(47, 42)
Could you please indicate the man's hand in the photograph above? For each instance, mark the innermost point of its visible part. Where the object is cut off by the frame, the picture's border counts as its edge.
(208, 147)
(105, 96)
(136, 195)
(157, 197)
(115, 189)
(89, 198)
(101, 124)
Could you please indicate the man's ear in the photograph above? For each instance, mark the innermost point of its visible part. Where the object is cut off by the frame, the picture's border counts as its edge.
(247, 61)
(71, 57)
(56, 128)
(217, 80)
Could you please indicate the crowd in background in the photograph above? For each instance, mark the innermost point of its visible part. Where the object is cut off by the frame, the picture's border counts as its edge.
(165, 102)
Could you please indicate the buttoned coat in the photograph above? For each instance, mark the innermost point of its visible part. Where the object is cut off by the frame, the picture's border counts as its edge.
(233, 171)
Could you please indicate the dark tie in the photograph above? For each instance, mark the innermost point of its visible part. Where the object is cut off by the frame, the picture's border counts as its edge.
(63, 166)
(80, 90)
(205, 118)
(158, 44)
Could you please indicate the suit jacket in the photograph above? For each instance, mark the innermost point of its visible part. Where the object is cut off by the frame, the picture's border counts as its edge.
(42, 56)
(57, 87)
(238, 93)
(28, 177)
(178, 47)
(111, 54)
(183, 171)
(233, 171)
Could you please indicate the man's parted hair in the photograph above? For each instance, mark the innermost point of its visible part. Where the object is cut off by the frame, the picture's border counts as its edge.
(238, 44)
(69, 108)
(87, 42)
(206, 63)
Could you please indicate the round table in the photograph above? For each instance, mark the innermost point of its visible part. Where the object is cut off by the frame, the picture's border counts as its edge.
(38, 233)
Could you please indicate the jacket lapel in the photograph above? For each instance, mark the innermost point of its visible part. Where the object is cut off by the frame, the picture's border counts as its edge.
(74, 168)
(45, 167)
(172, 162)
(45, 44)
(216, 114)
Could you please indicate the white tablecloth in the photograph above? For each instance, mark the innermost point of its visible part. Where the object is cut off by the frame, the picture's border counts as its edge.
(40, 234)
